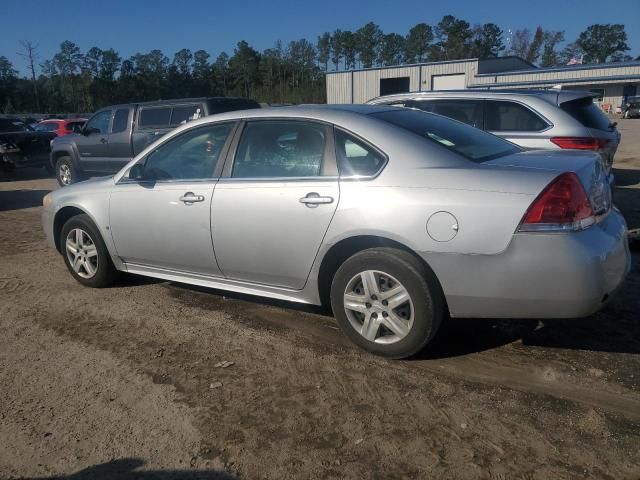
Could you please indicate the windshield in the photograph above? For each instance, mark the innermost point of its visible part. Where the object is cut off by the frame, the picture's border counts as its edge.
(11, 125)
(471, 143)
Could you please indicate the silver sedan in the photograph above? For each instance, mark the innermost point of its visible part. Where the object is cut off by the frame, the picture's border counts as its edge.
(395, 218)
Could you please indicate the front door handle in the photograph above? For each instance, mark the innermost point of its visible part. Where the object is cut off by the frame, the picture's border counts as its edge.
(189, 198)
(313, 199)
(103, 140)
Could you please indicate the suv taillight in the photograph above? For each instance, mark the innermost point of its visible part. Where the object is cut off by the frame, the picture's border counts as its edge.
(580, 143)
(563, 205)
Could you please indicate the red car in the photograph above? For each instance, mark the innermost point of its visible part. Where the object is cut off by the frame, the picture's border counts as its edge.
(61, 127)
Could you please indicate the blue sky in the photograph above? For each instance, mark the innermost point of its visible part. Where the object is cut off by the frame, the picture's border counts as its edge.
(215, 26)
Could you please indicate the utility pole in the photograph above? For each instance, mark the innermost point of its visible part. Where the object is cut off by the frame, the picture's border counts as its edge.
(31, 54)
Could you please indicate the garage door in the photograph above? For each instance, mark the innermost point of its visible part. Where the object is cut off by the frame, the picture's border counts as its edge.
(448, 82)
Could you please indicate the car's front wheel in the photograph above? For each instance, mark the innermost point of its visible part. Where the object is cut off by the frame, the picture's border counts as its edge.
(85, 253)
(66, 173)
(387, 301)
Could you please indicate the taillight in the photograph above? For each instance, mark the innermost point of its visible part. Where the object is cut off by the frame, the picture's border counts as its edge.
(580, 143)
(562, 205)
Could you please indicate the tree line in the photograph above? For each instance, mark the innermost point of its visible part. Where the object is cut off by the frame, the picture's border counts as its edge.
(76, 81)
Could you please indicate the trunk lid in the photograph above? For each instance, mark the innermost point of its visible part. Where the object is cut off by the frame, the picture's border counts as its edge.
(587, 166)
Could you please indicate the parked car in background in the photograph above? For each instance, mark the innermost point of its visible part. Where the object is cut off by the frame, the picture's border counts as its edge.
(114, 135)
(391, 216)
(533, 119)
(632, 108)
(61, 127)
(21, 146)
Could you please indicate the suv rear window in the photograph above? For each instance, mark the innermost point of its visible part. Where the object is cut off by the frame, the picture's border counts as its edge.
(184, 113)
(471, 143)
(587, 113)
(154, 117)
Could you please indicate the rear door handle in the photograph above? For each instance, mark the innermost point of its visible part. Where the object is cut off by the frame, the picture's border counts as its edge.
(189, 198)
(103, 140)
(313, 199)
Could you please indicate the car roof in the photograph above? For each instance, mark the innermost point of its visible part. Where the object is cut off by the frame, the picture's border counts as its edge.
(550, 95)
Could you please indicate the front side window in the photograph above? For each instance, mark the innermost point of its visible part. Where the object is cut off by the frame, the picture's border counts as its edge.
(355, 158)
(154, 117)
(280, 149)
(192, 155)
(511, 117)
(99, 123)
(120, 120)
(472, 143)
(465, 111)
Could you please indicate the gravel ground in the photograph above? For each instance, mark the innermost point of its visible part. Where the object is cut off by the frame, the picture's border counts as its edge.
(126, 382)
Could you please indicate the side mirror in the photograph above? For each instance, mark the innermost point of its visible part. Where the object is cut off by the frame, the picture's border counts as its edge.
(137, 172)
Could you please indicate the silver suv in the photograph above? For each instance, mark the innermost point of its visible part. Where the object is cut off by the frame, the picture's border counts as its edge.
(533, 119)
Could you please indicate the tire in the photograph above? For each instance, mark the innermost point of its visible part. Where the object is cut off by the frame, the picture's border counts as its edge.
(94, 268)
(66, 172)
(395, 332)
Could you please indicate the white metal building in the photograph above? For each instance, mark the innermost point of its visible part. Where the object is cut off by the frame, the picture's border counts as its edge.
(611, 82)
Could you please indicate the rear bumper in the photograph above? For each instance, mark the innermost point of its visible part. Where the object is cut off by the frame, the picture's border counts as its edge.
(539, 275)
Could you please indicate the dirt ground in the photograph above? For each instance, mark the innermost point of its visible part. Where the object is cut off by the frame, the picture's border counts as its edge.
(122, 383)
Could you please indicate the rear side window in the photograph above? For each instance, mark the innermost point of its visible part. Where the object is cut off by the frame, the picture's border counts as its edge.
(280, 149)
(185, 113)
(465, 111)
(120, 120)
(472, 143)
(154, 117)
(511, 117)
(587, 113)
(355, 158)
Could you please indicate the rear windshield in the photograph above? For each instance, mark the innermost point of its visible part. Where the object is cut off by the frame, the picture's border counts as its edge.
(471, 143)
(587, 113)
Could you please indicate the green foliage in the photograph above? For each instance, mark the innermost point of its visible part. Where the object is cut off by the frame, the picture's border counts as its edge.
(73, 81)
(487, 41)
(600, 42)
(418, 43)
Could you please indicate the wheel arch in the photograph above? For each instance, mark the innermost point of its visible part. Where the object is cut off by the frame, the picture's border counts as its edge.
(61, 217)
(345, 248)
(67, 151)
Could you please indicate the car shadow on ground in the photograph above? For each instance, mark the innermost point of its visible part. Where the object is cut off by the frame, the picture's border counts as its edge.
(23, 174)
(613, 330)
(127, 469)
(18, 199)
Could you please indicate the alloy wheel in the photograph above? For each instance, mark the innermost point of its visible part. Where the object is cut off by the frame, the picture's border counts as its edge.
(378, 307)
(82, 253)
(65, 174)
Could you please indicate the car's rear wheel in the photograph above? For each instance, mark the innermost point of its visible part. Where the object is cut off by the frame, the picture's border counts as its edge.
(85, 253)
(66, 173)
(387, 301)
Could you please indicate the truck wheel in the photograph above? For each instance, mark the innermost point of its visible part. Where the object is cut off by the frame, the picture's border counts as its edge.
(66, 173)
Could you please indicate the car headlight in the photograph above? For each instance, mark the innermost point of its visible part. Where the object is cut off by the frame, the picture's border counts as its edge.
(46, 201)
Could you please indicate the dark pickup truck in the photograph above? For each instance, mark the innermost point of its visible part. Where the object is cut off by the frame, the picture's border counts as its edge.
(22, 146)
(114, 135)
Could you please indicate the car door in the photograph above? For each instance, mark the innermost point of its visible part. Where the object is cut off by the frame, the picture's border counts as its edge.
(162, 220)
(119, 146)
(275, 201)
(93, 144)
(517, 123)
(153, 122)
